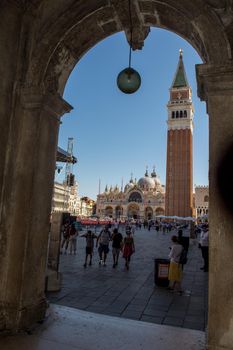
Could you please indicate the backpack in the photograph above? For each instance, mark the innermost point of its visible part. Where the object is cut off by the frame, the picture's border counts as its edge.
(183, 257)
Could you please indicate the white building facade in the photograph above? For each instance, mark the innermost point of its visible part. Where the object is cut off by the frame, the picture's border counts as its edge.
(66, 199)
(142, 199)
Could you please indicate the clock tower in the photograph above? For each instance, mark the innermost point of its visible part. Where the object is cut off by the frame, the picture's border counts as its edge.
(179, 171)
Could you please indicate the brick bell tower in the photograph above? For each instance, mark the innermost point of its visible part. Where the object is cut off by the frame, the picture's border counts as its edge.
(179, 172)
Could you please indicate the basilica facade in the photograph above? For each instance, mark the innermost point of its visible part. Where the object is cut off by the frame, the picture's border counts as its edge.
(142, 199)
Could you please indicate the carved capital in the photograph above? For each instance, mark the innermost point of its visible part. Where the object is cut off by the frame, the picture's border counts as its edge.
(214, 80)
(35, 99)
(140, 30)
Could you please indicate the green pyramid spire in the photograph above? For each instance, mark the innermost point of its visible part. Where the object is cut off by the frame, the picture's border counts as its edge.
(180, 79)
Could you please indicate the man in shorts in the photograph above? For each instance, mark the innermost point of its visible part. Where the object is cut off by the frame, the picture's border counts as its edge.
(103, 241)
(117, 239)
(90, 236)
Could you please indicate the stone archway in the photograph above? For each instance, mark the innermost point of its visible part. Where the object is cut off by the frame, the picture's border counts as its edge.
(148, 213)
(53, 38)
(133, 211)
(159, 211)
(118, 212)
(108, 211)
(135, 197)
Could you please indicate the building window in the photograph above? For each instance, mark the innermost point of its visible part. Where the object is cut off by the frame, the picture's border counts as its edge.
(181, 114)
(177, 114)
(173, 115)
(206, 198)
(135, 197)
(185, 114)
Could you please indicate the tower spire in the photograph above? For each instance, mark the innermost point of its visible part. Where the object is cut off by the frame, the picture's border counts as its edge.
(180, 79)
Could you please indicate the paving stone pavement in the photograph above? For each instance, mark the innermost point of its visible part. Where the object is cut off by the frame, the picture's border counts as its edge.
(133, 294)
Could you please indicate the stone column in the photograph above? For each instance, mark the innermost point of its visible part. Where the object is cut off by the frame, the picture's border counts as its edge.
(53, 275)
(27, 194)
(215, 86)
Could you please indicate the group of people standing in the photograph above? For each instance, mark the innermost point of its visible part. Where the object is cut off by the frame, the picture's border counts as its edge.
(119, 244)
(103, 239)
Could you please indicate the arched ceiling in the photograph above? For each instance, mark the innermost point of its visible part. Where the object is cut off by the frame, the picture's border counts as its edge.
(62, 31)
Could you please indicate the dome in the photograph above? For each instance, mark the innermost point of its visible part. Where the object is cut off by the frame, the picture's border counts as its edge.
(157, 181)
(128, 186)
(146, 183)
(155, 178)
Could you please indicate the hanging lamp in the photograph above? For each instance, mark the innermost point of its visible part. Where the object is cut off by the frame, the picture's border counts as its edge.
(129, 80)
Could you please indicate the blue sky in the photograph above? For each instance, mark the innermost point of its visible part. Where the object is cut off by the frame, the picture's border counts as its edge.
(116, 134)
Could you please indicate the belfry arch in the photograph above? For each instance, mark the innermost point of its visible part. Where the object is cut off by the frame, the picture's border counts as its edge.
(35, 65)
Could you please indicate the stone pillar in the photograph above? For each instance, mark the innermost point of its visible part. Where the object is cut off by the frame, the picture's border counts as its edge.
(27, 194)
(215, 86)
(53, 276)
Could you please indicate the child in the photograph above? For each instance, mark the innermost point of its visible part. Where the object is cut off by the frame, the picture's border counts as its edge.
(90, 236)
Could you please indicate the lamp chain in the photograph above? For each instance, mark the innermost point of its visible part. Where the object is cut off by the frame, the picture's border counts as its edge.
(131, 34)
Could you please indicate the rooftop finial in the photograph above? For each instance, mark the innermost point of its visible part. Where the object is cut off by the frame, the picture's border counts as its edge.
(131, 180)
(181, 53)
(153, 174)
(146, 173)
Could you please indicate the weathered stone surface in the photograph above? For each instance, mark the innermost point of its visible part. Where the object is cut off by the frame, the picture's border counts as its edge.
(216, 87)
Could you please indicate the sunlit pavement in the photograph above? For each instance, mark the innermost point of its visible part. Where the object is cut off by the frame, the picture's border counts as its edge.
(132, 294)
(72, 329)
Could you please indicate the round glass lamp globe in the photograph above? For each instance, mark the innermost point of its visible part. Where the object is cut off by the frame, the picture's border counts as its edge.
(128, 80)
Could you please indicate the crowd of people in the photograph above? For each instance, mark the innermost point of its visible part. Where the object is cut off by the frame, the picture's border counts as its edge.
(125, 246)
(120, 244)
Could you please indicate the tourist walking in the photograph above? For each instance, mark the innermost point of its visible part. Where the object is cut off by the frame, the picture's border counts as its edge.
(204, 245)
(175, 268)
(65, 237)
(128, 248)
(117, 239)
(90, 236)
(73, 234)
(103, 241)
